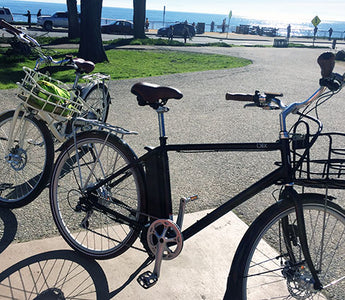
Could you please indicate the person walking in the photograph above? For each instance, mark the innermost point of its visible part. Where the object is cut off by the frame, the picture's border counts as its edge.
(147, 24)
(330, 32)
(170, 33)
(28, 14)
(223, 25)
(185, 33)
(39, 13)
(288, 30)
(212, 26)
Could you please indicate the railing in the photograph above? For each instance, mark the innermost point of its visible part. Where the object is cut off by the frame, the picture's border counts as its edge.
(218, 28)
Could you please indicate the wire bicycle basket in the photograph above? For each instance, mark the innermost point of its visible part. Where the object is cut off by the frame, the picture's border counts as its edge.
(323, 164)
(41, 92)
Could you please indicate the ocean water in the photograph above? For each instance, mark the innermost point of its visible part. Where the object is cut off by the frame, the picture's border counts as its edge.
(159, 18)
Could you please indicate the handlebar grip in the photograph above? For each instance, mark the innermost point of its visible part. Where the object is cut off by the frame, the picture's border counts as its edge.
(10, 28)
(326, 62)
(239, 97)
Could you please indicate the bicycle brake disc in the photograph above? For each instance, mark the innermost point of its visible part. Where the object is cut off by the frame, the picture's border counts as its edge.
(165, 233)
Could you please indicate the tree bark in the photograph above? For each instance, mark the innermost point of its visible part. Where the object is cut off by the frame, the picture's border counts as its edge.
(91, 46)
(139, 12)
(73, 22)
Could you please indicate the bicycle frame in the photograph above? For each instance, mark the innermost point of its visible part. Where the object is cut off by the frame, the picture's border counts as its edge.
(158, 190)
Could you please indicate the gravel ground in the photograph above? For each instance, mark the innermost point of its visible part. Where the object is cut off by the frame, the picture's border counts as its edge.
(203, 115)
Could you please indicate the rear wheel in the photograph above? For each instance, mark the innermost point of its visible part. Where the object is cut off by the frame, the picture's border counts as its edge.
(98, 99)
(25, 169)
(85, 221)
(269, 263)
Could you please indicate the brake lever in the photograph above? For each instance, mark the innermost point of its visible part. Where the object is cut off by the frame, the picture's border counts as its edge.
(249, 104)
(270, 107)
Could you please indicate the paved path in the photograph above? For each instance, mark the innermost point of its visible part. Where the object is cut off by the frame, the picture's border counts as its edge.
(201, 116)
(199, 272)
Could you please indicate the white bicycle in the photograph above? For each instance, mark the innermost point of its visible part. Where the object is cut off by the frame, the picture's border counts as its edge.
(45, 115)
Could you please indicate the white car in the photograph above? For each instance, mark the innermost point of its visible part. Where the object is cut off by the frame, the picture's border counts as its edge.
(59, 19)
(6, 15)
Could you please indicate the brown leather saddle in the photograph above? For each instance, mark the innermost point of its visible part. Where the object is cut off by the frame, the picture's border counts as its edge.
(153, 94)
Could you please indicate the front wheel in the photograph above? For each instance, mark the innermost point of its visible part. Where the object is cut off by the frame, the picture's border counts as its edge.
(106, 222)
(269, 263)
(26, 164)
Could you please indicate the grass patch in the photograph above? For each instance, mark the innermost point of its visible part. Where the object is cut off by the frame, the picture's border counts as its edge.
(136, 63)
(161, 42)
(294, 45)
(125, 64)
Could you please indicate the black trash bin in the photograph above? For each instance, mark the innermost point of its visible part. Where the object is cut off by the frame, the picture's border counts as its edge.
(200, 28)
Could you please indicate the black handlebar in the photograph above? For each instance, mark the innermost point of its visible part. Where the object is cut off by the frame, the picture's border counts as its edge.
(332, 81)
(239, 97)
(258, 99)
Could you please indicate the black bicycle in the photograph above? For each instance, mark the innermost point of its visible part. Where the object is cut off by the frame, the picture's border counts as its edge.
(103, 197)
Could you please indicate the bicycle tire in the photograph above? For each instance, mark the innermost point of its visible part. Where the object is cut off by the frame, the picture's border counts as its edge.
(58, 274)
(96, 99)
(25, 171)
(90, 231)
(266, 272)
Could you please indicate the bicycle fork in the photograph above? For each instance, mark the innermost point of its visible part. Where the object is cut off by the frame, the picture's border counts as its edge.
(292, 195)
(12, 127)
(15, 154)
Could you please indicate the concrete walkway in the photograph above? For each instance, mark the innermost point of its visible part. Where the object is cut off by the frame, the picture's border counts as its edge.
(199, 272)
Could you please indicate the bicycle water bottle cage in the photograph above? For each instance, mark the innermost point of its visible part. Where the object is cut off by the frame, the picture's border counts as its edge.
(154, 95)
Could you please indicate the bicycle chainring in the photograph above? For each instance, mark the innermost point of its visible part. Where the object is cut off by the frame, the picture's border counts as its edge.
(165, 233)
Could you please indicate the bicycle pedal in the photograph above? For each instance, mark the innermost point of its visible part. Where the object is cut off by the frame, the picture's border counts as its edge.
(147, 279)
(192, 198)
(181, 211)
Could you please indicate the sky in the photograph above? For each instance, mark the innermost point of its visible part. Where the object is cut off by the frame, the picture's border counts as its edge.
(285, 11)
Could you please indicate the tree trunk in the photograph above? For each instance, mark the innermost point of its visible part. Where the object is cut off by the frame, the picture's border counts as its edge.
(73, 22)
(91, 46)
(139, 11)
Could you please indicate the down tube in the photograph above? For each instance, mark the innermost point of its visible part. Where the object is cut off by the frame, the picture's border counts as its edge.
(254, 189)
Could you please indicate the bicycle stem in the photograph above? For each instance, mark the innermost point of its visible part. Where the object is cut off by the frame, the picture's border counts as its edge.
(293, 108)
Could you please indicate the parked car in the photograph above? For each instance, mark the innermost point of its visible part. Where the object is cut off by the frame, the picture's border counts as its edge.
(6, 15)
(58, 19)
(119, 27)
(178, 30)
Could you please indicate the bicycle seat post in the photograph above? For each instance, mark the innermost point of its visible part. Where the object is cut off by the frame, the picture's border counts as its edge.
(160, 111)
(76, 80)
